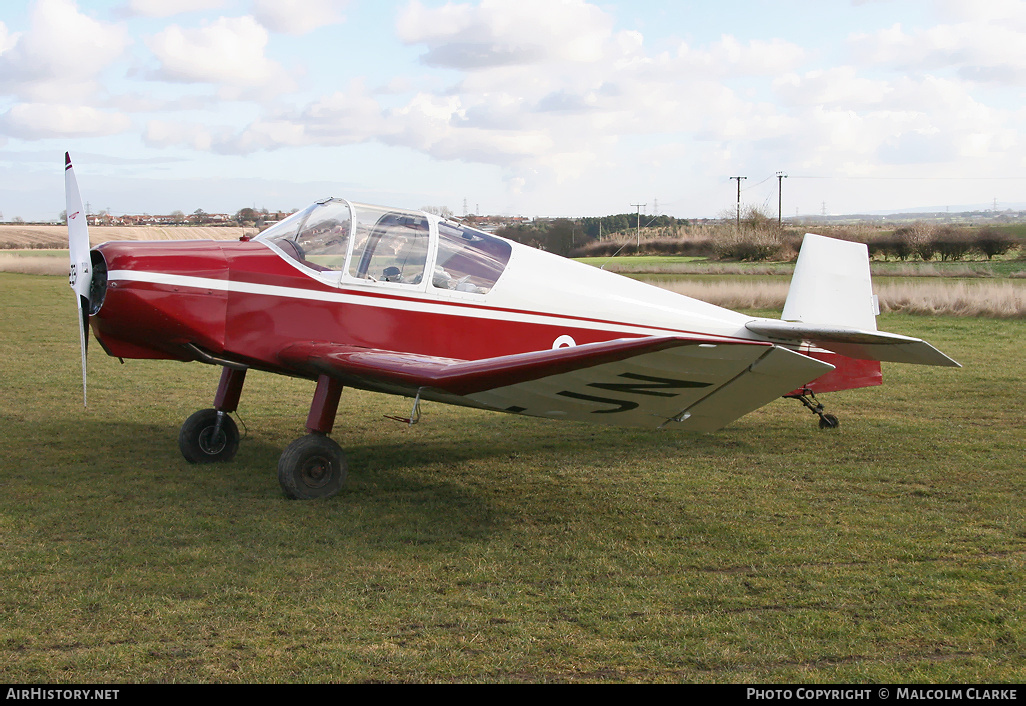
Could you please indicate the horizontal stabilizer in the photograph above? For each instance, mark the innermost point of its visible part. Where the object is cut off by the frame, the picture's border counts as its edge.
(854, 343)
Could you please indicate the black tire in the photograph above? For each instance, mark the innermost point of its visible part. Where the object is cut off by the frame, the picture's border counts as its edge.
(828, 421)
(312, 467)
(198, 444)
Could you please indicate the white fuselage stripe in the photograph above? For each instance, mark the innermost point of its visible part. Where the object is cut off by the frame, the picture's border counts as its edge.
(427, 307)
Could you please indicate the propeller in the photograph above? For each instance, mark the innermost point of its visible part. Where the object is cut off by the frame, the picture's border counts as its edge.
(80, 277)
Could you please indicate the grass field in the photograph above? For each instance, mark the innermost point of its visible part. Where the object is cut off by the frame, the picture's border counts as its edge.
(484, 547)
(1014, 267)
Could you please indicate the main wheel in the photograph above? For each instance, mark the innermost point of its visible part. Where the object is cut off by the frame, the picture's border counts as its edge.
(312, 467)
(202, 442)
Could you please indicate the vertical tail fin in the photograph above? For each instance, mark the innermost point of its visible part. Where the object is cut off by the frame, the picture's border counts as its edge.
(831, 285)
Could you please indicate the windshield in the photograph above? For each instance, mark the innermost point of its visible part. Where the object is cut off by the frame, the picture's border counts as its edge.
(317, 237)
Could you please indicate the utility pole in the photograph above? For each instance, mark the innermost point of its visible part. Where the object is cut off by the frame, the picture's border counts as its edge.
(780, 199)
(739, 178)
(638, 206)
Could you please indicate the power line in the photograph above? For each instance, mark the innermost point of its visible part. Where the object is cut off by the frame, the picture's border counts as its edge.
(912, 178)
(749, 188)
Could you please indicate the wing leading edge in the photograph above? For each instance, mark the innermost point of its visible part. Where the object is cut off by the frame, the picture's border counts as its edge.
(649, 382)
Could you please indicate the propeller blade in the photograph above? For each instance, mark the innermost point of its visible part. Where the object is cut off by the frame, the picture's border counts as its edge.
(81, 275)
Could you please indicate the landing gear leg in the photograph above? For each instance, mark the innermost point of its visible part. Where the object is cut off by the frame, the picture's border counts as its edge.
(211, 435)
(314, 465)
(808, 398)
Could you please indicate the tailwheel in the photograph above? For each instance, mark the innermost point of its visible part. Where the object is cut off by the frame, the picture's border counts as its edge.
(312, 467)
(828, 421)
(808, 398)
(208, 436)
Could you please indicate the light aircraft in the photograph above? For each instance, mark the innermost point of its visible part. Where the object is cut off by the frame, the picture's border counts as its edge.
(409, 303)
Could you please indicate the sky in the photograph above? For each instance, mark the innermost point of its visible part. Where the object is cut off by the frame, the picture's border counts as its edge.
(513, 107)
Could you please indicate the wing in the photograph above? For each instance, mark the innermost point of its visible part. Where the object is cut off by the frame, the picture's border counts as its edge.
(642, 382)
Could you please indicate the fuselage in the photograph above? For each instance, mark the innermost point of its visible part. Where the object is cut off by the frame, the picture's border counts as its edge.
(247, 300)
(377, 279)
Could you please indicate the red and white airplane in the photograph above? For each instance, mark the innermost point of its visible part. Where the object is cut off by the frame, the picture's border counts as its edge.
(408, 303)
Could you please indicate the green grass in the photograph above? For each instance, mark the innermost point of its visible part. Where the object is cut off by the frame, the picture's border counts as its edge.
(669, 265)
(998, 267)
(640, 261)
(487, 547)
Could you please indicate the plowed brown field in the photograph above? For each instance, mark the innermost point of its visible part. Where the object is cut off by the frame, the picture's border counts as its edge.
(31, 236)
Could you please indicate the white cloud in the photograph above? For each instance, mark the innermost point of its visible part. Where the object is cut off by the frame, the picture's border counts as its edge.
(165, 133)
(498, 33)
(298, 16)
(978, 50)
(53, 69)
(61, 55)
(228, 51)
(837, 86)
(264, 135)
(554, 91)
(168, 8)
(224, 139)
(1009, 12)
(344, 118)
(754, 58)
(7, 40)
(33, 121)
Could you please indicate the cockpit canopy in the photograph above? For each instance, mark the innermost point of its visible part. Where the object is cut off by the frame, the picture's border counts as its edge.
(387, 245)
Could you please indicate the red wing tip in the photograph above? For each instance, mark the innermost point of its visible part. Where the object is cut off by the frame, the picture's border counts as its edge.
(67, 160)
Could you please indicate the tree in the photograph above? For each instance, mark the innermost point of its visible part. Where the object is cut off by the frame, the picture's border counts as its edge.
(247, 215)
(442, 211)
(991, 242)
(557, 236)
